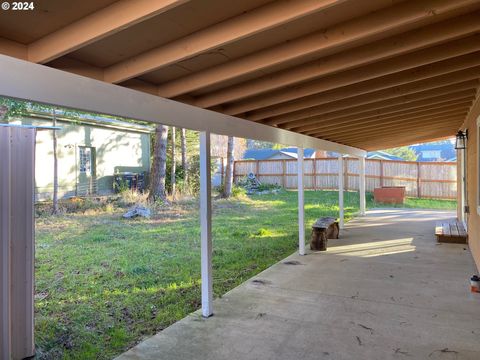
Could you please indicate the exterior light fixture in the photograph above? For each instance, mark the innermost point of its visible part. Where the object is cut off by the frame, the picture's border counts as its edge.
(461, 140)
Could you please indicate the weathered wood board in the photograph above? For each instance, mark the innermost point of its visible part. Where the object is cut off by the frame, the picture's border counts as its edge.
(451, 231)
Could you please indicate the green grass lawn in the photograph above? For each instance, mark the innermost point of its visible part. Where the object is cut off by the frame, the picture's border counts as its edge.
(103, 283)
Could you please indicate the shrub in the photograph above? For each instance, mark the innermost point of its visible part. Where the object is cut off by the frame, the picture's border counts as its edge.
(237, 191)
(132, 197)
(265, 187)
(192, 186)
(120, 185)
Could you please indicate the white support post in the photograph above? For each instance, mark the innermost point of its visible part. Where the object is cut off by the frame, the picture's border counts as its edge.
(206, 224)
(341, 186)
(5, 234)
(361, 186)
(301, 203)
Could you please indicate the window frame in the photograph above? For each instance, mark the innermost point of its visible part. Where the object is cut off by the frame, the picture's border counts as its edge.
(88, 171)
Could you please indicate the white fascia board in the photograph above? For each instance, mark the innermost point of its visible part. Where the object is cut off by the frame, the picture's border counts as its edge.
(33, 82)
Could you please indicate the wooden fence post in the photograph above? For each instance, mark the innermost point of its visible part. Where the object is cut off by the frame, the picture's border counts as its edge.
(418, 180)
(314, 174)
(381, 173)
(284, 183)
(345, 172)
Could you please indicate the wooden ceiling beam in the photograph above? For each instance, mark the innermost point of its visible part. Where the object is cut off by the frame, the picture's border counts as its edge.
(428, 138)
(410, 97)
(387, 141)
(378, 122)
(407, 129)
(345, 122)
(371, 97)
(98, 25)
(374, 124)
(398, 106)
(406, 132)
(75, 66)
(247, 24)
(413, 126)
(394, 53)
(385, 22)
(405, 138)
(38, 83)
(396, 79)
(448, 33)
(13, 48)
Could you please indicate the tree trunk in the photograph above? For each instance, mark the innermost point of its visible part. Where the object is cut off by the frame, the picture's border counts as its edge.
(174, 165)
(227, 187)
(159, 165)
(55, 165)
(184, 159)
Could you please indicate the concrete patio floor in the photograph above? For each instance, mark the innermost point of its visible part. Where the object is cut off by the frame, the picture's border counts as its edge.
(384, 290)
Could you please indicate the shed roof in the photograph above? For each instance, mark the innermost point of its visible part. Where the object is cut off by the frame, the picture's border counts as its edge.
(361, 73)
(382, 155)
(262, 154)
(91, 119)
(446, 150)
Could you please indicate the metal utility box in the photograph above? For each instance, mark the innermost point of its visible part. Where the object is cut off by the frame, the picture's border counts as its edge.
(128, 180)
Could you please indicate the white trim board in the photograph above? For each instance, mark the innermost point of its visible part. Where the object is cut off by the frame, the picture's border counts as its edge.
(28, 81)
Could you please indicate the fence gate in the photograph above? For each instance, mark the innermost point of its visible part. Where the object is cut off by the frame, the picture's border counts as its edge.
(17, 179)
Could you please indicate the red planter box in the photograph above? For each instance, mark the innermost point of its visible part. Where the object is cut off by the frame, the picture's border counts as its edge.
(390, 195)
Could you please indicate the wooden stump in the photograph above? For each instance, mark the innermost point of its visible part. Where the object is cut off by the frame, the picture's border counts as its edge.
(323, 229)
(319, 239)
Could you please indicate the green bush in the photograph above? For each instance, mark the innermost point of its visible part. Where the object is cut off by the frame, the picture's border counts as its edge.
(120, 185)
(265, 187)
(237, 191)
(192, 185)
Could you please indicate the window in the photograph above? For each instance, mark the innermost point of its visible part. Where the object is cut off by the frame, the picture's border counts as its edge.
(85, 161)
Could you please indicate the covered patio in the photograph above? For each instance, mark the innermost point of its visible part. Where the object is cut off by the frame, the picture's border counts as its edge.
(346, 76)
(385, 290)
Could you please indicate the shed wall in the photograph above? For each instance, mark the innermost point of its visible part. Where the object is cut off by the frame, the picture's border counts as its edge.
(115, 151)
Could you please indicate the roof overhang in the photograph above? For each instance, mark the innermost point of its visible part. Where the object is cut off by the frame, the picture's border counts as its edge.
(90, 120)
(369, 74)
(28, 81)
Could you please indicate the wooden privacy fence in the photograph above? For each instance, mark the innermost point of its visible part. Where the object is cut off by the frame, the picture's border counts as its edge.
(421, 179)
